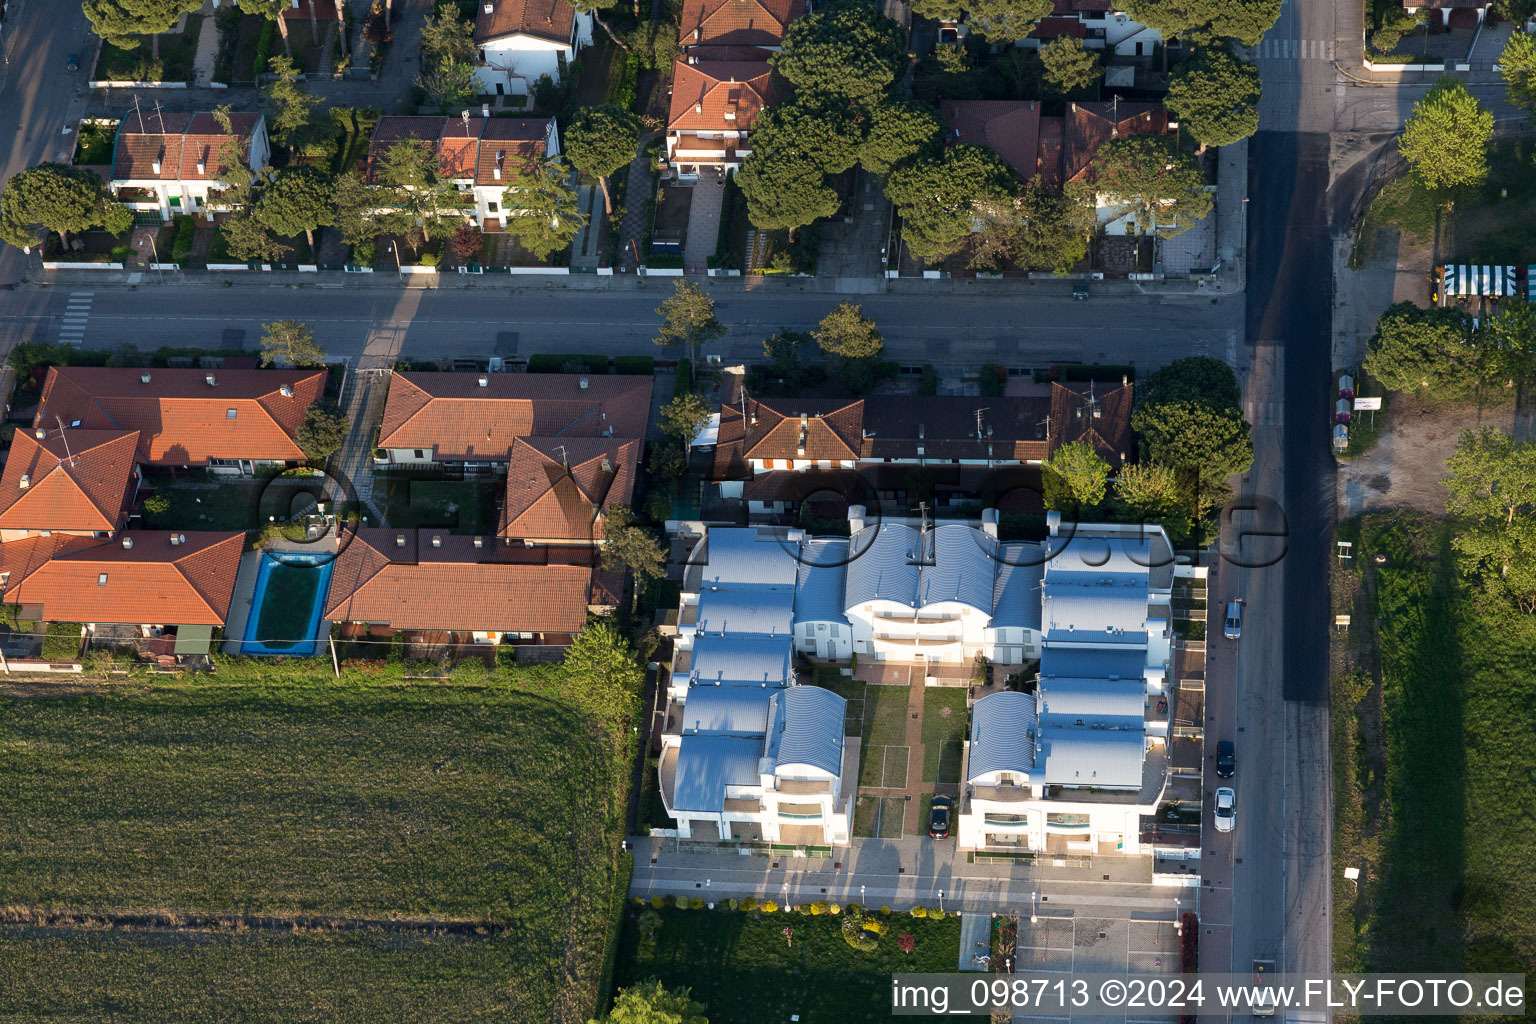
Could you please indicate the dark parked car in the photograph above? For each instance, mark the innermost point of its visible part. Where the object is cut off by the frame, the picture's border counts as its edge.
(74, 63)
(1226, 759)
(938, 817)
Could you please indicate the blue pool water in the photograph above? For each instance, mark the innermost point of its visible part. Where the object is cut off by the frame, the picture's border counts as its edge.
(288, 630)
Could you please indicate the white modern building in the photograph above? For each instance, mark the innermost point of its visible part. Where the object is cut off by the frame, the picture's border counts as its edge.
(521, 41)
(1074, 765)
(747, 753)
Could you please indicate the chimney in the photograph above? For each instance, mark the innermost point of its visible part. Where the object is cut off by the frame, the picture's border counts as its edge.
(855, 519)
(485, 110)
(154, 165)
(202, 167)
(144, 377)
(490, 8)
(399, 540)
(25, 481)
(698, 108)
(698, 33)
(1124, 380)
(989, 522)
(40, 433)
(285, 391)
(585, 383)
(607, 466)
(213, 381)
(437, 541)
(1053, 523)
(484, 382)
(479, 542)
(127, 543)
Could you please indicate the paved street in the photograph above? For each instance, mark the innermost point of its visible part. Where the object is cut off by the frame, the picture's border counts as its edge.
(1019, 330)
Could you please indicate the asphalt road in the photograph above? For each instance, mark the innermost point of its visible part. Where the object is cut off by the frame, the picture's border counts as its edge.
(37, 96)
(1029, 330)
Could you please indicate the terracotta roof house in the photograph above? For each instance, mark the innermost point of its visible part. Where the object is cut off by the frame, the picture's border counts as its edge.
(521, 41)
(760, 23)
(466, 418)
(171, 163)
(227, 420)
(714, 108)
(1087, 126)
(1466, 14)
(68, 481)
(557, 487)
(435, 581)
(150, 578)
(1008, 128)
(1099, 414)
(480, 153)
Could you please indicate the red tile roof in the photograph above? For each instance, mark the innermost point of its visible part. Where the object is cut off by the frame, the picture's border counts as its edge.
(1098, 413)
(511, 143)
(832, 429)
(325, 10)
(555, 486)
(1054, 28)
(1089, 125)
(737, 22)
(153, 581)
(454, 585)
(542, 19)
(703, 93)
(1010, 129)
(182, 420)
(451, 415)
(76, 479)
(178, 142)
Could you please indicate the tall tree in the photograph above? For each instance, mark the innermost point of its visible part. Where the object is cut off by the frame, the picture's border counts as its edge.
(272, 10)
(688, 319)
(1074, 477)
(1199, 440)
(1040, 229)
(1215, 95)
(233, 164)
(896, 131)
(1154, 494)
(596, 8)
(630, 547)
(600, 140)
(247, 240)
(1204, 20)
(1445, 140)
(1517, 63)
(122, 22)
(422, 202)
(322, 433)
(1507, 345)
(938, 197)
(543, 211)
(54, 197)
(1425, 351)
(847, 50)
(683, 417)
(1005, 21)
(448, 59)
(356, 209)
(299, 199)
(823, 134)
(847, 333)
(292, 107)
(649, 1003)
(1195, 379)
(1068, 65)
(1492, 486)
(784, 192)
(604, 675)
(1153, 184)
(290, 343)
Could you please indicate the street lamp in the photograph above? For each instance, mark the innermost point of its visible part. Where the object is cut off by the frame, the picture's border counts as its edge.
(1033, 904)
(861, 895)
(941, 901)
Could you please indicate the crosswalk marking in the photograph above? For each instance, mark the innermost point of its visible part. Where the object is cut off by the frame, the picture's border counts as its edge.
(1294, 49)
(76, 315)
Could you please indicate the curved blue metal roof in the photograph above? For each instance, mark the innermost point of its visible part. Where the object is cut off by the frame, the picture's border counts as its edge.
(806, 727)
(960, 566)
(757, 610)
(726, 710)
(823, 575)
(1002, 734)
(885, 566)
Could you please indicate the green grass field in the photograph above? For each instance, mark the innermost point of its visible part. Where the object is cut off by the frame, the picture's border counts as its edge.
(1436, 797)
(368, 800)
(286, 606)
(885, 714)
(745, 971)
(943, 733)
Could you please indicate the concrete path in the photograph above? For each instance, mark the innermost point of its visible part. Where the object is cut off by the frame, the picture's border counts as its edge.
(240, 604)
(354, 462)
(584, 254)
(703, 222)
(636, 203)
(207, 51)
(975, 939)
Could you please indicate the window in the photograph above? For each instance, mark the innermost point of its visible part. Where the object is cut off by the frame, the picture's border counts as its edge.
(420, 453)
(493, 207)
(101, 580)
(230, 414)
(834, 631)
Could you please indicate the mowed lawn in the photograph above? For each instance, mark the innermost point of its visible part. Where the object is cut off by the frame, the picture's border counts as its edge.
(943, 733)
(745, 971)
(362, 800)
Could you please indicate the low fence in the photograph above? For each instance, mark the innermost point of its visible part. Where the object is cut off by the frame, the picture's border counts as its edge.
(70, 265)
(136, 85)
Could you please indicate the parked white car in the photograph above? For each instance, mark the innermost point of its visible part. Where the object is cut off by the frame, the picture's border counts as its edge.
(1226, 809)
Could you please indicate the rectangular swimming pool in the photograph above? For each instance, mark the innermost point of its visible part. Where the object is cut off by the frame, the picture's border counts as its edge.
(285, 609)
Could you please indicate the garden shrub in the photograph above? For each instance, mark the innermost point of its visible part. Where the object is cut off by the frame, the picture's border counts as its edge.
(749, 904)
(834, 909)
(818, 908)
(263, 49)
(684, 383)
(768, 906)
(657, 902)
(636, 366)
(919, 911)
(937, 914)
(695, 904)
(61, 641)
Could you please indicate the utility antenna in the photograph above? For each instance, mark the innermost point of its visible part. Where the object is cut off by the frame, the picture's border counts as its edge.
(1046, 423)
(744, 422)
(159, 117)
(1114, 107)
(563, 459)
(979, 430)
(67, 456)
(464, 116)
(139, 111)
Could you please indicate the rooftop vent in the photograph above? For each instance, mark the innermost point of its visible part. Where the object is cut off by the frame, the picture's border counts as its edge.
(490, 8)
(607, 466)
(144, 377)
(484, 382)
(698, 108)
(155, 165)
(479, 542)
(178, 539)
(202, 168)
(437, 541)
(485, 110)
(399, 540)
(40, 433)
(213, 381)
(127, 543)
(25, 481)
(585, 383)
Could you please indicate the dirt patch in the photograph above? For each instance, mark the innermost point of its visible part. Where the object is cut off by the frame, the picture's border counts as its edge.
(1407, 468)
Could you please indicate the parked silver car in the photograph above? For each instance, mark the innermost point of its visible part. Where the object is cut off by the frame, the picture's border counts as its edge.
(1226, 809)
